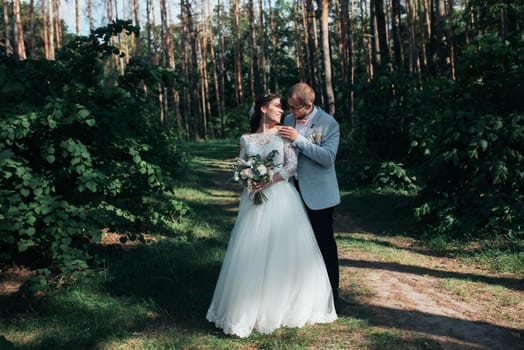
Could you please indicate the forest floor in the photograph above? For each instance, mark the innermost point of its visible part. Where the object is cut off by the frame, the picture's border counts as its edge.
(455, 304)
(409, 296)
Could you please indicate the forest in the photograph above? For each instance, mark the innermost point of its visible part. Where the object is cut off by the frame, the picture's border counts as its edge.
(428, 94)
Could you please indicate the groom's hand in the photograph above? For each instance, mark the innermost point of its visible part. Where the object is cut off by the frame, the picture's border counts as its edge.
(288, 132)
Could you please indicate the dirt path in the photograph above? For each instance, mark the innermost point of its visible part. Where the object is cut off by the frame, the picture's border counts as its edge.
(457, 306)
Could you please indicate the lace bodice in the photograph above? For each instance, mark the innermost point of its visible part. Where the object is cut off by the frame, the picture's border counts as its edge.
(285, 160)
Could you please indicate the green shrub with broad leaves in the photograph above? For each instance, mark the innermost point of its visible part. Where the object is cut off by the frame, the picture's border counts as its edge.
(460, 142)
(78, 156)
(475, 182)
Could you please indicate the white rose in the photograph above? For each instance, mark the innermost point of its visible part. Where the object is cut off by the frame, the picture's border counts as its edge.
(245, 173)
(262, 170)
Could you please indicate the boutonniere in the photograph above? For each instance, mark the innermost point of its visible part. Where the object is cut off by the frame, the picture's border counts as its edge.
(316, 136)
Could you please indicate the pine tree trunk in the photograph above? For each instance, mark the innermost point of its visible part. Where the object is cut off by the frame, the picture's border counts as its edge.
(18, 32)
(186, 99)
(163, 33)
(58, 23)
(7, 40)
(149, 39)
(238, 55)
(204, 79)
(45, 34)
(274, 51)
(342, 14)
(451, 41)
(414, 61)
(77, 18)
(222, 87)
(423, 10)
(380, 21)
(135, 42)
(154, 34)
(262, 53)
(32, 47)
(256, 87)
(216, 67)
(367, 41)
(90, 15)
(311, 35)
(298, 41)
(397, 37)
(51, 30)
(178, 116)
(326, 54)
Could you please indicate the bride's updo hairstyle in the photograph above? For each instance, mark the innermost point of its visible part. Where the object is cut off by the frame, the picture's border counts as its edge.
(260, 102)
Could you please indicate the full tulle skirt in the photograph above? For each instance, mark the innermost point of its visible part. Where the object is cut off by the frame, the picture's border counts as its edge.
(273, 274)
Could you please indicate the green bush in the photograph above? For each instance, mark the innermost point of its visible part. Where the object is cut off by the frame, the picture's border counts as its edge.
(78, 157)
(475, 182)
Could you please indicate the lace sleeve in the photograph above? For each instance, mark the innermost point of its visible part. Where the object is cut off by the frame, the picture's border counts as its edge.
(242, 142)
(290, 161)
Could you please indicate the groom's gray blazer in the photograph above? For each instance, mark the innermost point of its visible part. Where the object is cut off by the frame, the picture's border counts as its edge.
(316, 175)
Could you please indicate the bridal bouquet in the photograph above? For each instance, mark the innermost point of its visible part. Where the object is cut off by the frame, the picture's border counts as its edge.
(255, 169)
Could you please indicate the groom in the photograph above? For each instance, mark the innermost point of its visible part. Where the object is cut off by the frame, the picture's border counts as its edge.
(315, 134)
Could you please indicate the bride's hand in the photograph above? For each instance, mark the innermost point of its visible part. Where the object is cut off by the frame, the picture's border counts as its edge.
(260, 186)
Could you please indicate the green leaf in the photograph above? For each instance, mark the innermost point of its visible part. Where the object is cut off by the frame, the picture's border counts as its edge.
(83, 113)
(25, 244)
(52, 123)
(91, 186)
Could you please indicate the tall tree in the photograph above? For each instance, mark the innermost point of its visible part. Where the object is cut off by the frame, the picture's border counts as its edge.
(262, 45)
(347, 57)
(217, 65)
(51, 29)
(163, 33)
(450, 34)
(297, 15)
(311, 34)
(193, 97)
(397, 40)
(77, 18)
(379, 23)
(18, 32)
(326, 54)
(58, 23)
(32, 34)
(274, 49)
(237, 53)
(7, 42)
(135, 42)
(413, 57)
(437, 39)
(90, 15)
(256, 87)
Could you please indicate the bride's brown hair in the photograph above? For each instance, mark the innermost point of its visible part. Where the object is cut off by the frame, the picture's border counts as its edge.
(260, 102)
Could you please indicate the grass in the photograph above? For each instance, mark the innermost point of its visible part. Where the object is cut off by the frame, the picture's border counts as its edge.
(155, 295)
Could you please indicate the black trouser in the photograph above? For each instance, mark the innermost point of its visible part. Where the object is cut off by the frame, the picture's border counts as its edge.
(322, 222)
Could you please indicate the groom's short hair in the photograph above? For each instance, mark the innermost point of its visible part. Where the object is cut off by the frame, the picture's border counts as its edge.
(302, 92)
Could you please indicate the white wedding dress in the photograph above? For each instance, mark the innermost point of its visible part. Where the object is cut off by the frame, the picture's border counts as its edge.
(273, 274)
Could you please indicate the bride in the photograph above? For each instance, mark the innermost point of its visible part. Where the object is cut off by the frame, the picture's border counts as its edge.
(273, 274)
